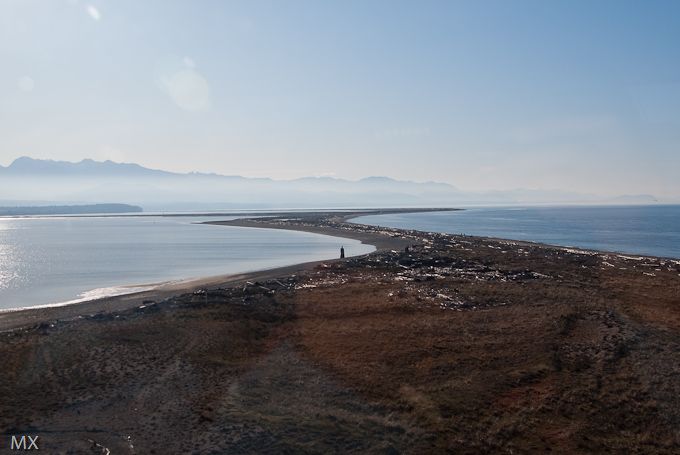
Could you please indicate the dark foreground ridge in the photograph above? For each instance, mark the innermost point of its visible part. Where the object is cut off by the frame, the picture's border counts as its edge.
(436, 343)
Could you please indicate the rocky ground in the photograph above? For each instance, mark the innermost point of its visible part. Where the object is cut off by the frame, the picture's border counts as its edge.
(448, 344)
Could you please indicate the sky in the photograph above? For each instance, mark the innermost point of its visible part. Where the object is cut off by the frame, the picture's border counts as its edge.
(572, 95)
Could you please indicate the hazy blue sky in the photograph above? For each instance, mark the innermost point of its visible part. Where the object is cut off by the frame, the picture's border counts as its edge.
(572, 95)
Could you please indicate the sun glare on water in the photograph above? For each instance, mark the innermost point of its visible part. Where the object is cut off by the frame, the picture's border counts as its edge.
(8, 260)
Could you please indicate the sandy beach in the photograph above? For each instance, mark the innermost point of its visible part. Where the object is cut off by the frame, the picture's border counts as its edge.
(16, 319)
(435, 343)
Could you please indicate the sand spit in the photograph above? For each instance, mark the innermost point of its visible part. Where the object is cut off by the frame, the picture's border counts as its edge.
(435, 343)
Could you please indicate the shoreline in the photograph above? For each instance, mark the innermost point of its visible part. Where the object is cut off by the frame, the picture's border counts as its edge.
(18, 318)
(333, 223)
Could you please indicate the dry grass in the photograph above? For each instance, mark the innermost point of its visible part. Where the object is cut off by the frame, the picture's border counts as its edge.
(455, 348)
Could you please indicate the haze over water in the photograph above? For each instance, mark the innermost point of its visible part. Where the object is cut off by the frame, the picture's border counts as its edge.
(645, 230)
(51, 260)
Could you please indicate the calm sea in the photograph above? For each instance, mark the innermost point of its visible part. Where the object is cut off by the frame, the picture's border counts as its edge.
(53, 260)
(645, 230)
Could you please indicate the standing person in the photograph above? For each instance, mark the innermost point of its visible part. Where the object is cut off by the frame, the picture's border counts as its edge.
(342, 252)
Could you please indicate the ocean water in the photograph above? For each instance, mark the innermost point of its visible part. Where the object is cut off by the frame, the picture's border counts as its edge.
(644, 230)
(55, 260)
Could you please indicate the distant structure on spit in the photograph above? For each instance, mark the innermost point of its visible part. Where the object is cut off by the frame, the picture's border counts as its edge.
(342, 252)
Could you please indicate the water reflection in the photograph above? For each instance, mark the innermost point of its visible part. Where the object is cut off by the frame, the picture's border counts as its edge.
(51, 260)
(8, 259)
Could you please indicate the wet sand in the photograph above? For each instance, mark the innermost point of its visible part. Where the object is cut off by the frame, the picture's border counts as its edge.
(457, 345)
(30, 316)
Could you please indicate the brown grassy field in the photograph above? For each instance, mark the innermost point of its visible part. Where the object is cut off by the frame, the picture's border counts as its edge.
(459, 345)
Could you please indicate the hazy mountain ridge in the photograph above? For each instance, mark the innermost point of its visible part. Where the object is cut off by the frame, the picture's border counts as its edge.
(26, 165)
(91, 181)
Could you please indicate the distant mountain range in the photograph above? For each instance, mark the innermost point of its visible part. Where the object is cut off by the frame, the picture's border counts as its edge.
(91, 181)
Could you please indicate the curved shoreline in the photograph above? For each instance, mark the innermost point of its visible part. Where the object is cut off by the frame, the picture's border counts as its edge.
(335, 224)
(29, 316)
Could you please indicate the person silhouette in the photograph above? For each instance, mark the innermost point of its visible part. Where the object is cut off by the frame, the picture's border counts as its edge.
(342, 252)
